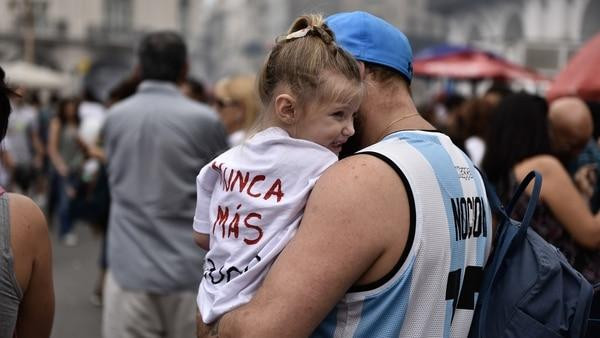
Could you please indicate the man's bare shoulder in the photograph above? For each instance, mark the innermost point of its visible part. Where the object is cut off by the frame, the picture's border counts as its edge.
(361, 171)
(362, 201)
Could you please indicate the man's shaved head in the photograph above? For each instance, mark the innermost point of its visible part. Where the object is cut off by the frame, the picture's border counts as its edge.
(571, 126)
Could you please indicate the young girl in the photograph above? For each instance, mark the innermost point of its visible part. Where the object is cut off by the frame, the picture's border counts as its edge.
(251, 198)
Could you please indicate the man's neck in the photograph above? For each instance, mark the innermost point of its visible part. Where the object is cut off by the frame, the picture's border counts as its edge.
(392, 116)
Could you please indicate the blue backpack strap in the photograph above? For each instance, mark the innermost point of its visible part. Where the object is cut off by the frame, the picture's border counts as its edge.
(535, 196)
(508, 232)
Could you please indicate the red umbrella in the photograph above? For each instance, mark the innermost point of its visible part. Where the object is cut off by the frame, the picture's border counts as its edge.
(470, 63)
(579, 77)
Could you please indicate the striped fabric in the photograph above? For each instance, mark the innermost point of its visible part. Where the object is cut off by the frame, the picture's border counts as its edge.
(434, 291)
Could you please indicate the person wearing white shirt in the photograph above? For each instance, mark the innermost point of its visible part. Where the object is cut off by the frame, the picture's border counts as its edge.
(251, 198)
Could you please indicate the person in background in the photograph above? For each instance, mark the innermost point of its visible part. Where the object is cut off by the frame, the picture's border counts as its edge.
(23, 144)
(237, 103)
(518, 143)
(493, 95)
(126, 87)
(26, 284)
(154, 143)
(91, 114)
(571, 129)
(196, 90)
(49, 182)
(67, 152)
(96, 200)
(377, 253)
(447, 118)
(476, 113)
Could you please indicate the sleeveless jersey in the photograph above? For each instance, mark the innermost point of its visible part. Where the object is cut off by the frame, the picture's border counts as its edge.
(433, 289)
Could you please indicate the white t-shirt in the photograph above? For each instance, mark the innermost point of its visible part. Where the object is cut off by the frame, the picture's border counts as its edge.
(250, 201)
(236, 138)
(475, 149)
(92, 116)
(21, 123)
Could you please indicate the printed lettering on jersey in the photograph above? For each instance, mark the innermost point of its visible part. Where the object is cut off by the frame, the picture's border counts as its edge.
(464, 173)
(469, 217)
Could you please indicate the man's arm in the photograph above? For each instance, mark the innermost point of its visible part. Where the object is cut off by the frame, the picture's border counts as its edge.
(353, 232)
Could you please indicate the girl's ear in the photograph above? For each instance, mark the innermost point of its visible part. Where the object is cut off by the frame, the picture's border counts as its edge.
(285, 109)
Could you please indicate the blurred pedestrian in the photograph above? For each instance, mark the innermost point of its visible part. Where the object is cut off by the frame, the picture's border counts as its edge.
(299, 110)
(23, 143)
(197, 90)
(67, 151)
(495, 94)
(519, 142)
(47, 112)
(123, 89)
(91, 114)
(571, 127)
(237, 103)
(449, 120)
(155, 142)
(26, 285)
(475, 113)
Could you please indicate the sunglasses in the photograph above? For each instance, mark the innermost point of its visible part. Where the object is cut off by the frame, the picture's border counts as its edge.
(227, 102)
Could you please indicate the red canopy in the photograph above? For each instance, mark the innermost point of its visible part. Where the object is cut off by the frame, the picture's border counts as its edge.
(472, 64)
(579, 77)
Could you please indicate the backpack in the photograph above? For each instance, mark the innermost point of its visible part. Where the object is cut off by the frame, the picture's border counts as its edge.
(528, 287)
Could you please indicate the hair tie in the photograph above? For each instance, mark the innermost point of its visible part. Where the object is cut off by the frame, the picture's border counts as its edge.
(295, 35)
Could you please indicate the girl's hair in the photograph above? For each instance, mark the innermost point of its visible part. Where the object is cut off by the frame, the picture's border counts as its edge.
(62, 110)
(301, 61)
(241, 89)
(518, 130)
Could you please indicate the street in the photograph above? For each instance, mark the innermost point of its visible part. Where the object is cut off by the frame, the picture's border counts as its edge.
(75, 272)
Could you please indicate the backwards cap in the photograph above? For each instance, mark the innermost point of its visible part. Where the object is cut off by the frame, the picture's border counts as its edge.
(371, 39)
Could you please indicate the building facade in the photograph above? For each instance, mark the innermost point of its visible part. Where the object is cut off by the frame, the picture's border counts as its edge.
(541, 34)
(96, 39)
(92, 39)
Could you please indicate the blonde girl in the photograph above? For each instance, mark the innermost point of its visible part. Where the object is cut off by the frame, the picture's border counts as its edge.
(251, 198)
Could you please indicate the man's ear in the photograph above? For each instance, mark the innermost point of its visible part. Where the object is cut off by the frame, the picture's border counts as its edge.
(361, 69)
(286, 109)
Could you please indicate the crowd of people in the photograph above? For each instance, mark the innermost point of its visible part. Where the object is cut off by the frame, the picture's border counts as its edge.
(225, 211)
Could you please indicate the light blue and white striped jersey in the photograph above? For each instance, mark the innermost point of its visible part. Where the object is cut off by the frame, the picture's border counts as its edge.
(432, 291)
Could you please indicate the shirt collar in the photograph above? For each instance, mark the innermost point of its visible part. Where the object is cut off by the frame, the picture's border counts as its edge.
(156, 85)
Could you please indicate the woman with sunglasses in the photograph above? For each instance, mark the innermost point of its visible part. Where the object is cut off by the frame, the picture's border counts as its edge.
(237, 102)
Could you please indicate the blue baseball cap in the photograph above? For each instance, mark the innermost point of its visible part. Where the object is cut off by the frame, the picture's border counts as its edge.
(371, 39)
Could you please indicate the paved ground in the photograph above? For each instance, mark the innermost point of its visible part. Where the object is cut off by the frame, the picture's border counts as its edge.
(75, 272)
